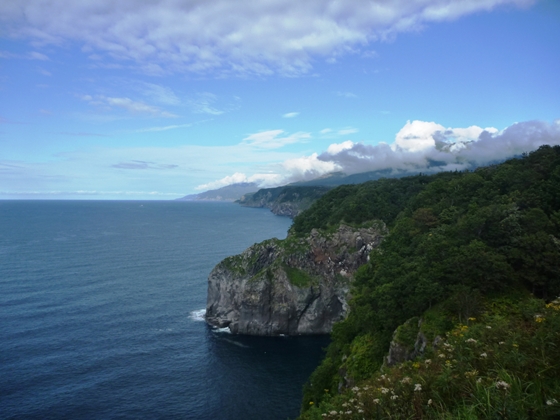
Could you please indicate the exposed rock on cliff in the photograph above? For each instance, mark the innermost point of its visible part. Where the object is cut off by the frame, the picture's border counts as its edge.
(294, 286)
(284, 201)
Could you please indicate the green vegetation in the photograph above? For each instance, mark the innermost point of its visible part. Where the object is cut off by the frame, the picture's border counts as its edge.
(297, 197)
(462, 246)
(299, 277)
(504, 365)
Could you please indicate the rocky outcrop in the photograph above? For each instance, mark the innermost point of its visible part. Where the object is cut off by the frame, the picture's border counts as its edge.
(409, 342)
(284, 201)
(293, 286)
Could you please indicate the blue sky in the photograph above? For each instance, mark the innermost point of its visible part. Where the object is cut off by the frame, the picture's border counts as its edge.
(159, 99)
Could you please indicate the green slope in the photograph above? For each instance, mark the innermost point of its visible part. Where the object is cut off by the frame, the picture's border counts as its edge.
(460, 245)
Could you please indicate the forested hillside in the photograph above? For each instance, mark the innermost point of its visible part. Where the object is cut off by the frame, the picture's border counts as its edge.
(469, 254)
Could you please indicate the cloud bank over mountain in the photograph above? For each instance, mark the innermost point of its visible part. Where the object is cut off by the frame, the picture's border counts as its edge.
(419, 146)
(223, 36)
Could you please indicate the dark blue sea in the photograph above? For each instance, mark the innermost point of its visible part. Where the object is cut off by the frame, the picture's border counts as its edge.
(100, 315)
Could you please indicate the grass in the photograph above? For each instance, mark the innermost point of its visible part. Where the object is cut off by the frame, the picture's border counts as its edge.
(299, 277)
(503, 365)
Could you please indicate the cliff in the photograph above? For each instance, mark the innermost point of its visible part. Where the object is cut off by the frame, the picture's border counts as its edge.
(284, 201)
(293, 286)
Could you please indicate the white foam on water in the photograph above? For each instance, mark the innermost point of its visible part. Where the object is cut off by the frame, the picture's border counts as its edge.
(222, 330)
(198, 315)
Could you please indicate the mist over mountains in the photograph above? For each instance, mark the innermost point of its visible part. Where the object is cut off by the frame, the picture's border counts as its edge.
(419, 147)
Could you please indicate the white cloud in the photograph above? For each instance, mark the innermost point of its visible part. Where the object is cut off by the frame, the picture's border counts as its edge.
(204, 104)
(308, 167)
(135, 107)
(420, 135)
(163, 128)
(272, 139)
(430, 147)
(346, 131)
(160, 94)
(335, 148)
(346, 94)
(224, 36)
(422, 146)
(290, 115)
(262, 180)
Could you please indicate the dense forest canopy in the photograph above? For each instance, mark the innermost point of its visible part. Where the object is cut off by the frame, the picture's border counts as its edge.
(456, 239)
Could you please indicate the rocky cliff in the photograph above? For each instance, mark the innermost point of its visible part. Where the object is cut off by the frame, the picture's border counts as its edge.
(284, 201)
(292, 286)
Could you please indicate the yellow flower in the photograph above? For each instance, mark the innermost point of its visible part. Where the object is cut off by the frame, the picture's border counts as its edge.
(472, 319)
(310, 402)
(416, 365)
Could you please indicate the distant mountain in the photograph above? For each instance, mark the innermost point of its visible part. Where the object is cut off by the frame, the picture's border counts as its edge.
(231, 192)
(335, 179)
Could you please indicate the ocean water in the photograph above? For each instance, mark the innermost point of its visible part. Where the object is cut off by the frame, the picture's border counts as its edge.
(100, 315)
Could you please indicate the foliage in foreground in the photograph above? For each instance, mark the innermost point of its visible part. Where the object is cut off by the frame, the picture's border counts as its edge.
(455, 239)
(503, 365)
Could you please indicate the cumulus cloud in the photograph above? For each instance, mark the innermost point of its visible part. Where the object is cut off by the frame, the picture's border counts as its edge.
(422, 146)
(273, 139)
(307, 168)
(263, 180)
(335, 148)
(419, 146)
(223, 36)
(290, 115)
(419, 135)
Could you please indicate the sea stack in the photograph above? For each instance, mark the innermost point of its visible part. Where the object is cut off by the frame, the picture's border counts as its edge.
(296, 286)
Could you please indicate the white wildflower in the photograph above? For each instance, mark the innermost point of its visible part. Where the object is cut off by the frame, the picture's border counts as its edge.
(417, 387)
(384, 390)
(470, 340)
(551, 402)
(394, 397)
(405, 380)
(430, 401)
(483, 355)
(502, 385)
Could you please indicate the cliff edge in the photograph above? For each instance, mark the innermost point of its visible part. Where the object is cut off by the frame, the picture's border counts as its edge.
(294, 286)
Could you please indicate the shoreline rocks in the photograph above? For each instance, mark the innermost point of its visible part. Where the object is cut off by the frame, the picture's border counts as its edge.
(294, 286)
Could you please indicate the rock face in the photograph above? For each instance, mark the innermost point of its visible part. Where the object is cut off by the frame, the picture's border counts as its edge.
(284, 201)
(409, 342)
(292, 287)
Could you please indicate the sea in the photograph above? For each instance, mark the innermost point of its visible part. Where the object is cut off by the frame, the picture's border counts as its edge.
(102, 315)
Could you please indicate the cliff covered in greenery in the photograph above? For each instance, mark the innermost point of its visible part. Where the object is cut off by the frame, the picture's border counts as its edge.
(454, 315)
(288, 200)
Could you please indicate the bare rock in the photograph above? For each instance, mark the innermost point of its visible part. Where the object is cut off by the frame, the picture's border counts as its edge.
(292, 287)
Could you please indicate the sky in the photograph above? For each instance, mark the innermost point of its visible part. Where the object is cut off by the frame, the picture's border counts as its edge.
(163, 98)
